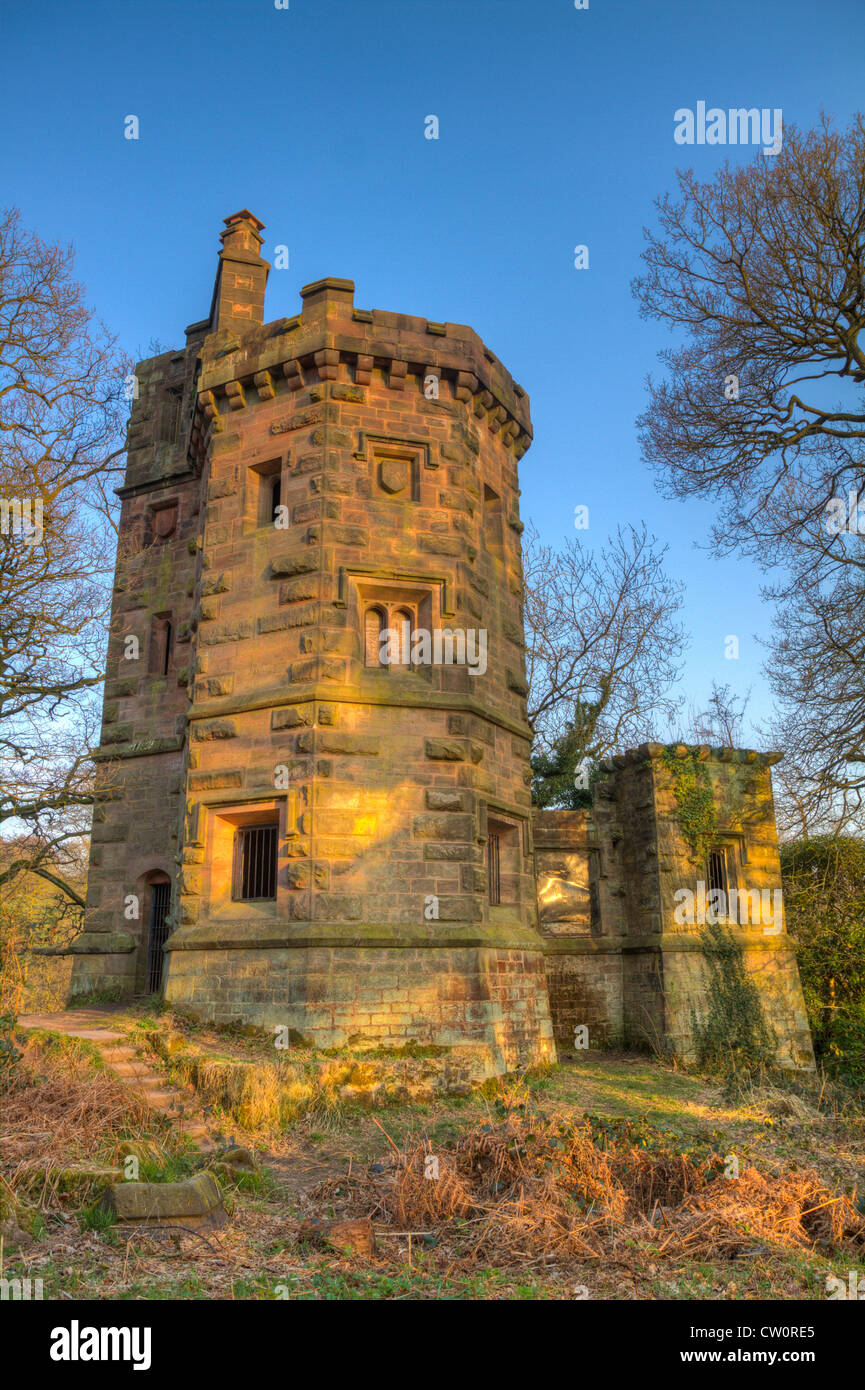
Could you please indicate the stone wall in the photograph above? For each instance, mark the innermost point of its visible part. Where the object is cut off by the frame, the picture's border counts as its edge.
(140, 761)
(490, 1000)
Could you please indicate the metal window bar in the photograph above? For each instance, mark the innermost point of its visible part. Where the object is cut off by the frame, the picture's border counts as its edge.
(716, 871)
(495, 868)
(160, 899)
(257, 854)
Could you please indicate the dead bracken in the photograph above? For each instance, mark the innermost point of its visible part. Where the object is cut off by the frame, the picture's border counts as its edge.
(554, 1189)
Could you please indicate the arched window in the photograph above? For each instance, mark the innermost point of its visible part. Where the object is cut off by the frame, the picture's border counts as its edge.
(402, 622)
(374, 623)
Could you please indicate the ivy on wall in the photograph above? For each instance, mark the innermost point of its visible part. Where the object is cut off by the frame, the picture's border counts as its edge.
(692, 788)
(734, 1035)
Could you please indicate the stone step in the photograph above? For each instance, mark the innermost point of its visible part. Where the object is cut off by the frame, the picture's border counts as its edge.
(126, 1063)
(161, 1100)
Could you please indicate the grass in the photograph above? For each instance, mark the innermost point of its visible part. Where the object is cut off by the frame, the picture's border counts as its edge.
(315, 1155)
(55, 1047)
(247, 1082)
(95, 1218)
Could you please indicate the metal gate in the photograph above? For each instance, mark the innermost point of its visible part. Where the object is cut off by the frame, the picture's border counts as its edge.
(160, 899)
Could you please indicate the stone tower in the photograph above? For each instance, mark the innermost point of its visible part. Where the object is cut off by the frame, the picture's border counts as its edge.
(315, 751)
(313, 806)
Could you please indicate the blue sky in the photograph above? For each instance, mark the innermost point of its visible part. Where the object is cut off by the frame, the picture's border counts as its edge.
(555, 128)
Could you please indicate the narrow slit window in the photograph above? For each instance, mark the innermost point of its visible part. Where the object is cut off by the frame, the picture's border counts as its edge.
(255, 863)
(169, 421)
(494, 863)
(275, 488)
(160, 645)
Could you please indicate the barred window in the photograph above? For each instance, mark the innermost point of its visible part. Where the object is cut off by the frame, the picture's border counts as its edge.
(504, 861)
(255, 862)
(160, 901)
(168, 420)
(716, 871)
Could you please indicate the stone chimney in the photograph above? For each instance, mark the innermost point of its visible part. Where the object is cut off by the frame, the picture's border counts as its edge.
(238, 296)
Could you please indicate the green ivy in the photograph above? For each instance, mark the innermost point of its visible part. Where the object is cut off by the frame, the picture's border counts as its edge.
(692, 788)
(554, 774)
(734, 1035)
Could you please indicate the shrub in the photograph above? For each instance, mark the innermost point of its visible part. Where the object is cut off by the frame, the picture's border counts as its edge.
(824, 900)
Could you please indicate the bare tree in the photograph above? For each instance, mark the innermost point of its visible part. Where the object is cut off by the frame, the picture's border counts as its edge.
(603, 649)
(721, 724)
(62, 413)
(763, 270)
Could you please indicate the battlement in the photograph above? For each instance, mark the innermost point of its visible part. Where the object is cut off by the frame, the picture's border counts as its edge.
(332, 341)
(646, 752)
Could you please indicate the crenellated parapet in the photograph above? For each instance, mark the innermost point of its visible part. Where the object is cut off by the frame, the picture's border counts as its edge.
(332, 341)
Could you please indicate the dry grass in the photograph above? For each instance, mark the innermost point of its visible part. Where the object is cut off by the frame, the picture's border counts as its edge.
(265, 1096)
(527, 1191)
(530, 1194)
(260, 1097)
(51, 1121)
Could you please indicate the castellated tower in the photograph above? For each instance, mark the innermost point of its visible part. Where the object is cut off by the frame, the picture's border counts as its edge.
(313, 806)
(297, 824)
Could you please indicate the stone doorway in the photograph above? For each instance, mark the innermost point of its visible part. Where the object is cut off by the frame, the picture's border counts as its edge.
(160, 900)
